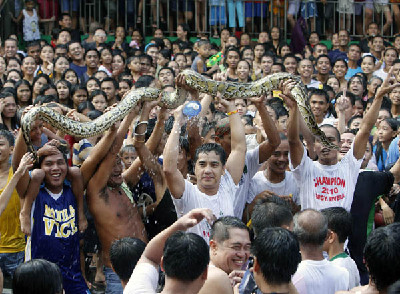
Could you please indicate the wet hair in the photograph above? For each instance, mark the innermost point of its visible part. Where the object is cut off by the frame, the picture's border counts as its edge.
(37, 276)
(278, 253)
(93, 114)
(339, 221)
(85, 105)
(382, 255)
(144, 81)
(269, 214)
(127, 148)
(124, 255)
(220, 228)
(209, 147)
(183, 251)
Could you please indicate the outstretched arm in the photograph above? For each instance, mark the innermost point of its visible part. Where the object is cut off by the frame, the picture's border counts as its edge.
(236, 159)
(296, 148)
(25, 164)
(360, 142)
(266, 147)
(154, 250)
(174, 178)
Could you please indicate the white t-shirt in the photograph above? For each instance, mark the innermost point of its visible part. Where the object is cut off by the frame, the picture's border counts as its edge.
(349, 264)
(288, 186)
(221, 204)
(316, 277)
(144, 280)
(251, 167)
(323, 186)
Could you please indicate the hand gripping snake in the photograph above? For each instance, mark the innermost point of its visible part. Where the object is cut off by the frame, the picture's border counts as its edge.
(228, 90)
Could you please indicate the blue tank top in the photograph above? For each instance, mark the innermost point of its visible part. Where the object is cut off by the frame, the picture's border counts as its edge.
(55, 236)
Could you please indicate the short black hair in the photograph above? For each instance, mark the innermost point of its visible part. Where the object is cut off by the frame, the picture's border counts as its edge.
(382, 255)
(220, 228)
(184, 251)
(318, 92)
(144, 81)
(124, 255)
(269, 214)
(209, 147)
(37, 276)
(8, 136)
(113, 81)
(339, 221)
(278, 253)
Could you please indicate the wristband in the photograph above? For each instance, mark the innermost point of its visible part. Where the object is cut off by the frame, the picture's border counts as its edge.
(140, 123)
(139, 141)
(232, 112)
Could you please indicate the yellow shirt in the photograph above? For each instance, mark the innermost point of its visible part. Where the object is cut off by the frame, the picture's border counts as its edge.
(12, 240)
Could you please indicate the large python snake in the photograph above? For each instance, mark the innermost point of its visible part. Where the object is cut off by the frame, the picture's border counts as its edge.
(228, 90)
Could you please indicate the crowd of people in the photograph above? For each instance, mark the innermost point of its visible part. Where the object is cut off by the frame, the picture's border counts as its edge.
(264, 205)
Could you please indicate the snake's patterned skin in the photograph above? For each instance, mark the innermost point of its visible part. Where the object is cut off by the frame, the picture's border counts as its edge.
(228, 90)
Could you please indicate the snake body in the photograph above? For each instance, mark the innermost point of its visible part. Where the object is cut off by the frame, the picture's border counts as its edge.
(228, 90)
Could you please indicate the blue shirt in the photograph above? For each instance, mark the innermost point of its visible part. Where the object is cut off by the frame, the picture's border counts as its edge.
(351, 72)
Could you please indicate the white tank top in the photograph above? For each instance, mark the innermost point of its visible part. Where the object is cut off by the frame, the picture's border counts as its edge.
(31, 26)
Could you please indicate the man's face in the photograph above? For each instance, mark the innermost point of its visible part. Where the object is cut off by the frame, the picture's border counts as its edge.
(323, 66)
(279, 160)
(115, 179)
(396, 71)
(55, 169)
(34, 52)
(343, 38)
(346, 140)
(266, 64)
(320, 50)
(153, 52)
(100, 36)
(66, 22)
(5, 150)
(354, 53)
(145, 65)
(325, 155)
(109, 89)
(395, 96)
(75, 51)
(233, 253)
(166, 77)
(290, 65)
(208, 170)
(306, 68)
(92, 59)
(318, 105)
(60, 52)
(373, 29)
(377, 44)
(10, 48)
(63, 38)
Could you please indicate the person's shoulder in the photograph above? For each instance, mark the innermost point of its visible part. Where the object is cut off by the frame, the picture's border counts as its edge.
(217, 281)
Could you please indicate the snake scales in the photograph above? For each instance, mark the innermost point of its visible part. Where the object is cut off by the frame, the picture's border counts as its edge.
(228, 90)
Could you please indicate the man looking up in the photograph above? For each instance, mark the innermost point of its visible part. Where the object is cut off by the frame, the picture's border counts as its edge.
(327, 182)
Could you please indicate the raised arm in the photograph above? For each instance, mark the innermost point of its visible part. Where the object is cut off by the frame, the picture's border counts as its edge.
(103, 172)
(174, 178)
(25, 164)
(154, 250)
(360, 142)
(236, 159)
(266, 147)
(296, 148)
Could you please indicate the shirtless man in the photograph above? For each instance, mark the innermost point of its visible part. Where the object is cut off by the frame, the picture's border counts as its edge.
(109, 199)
